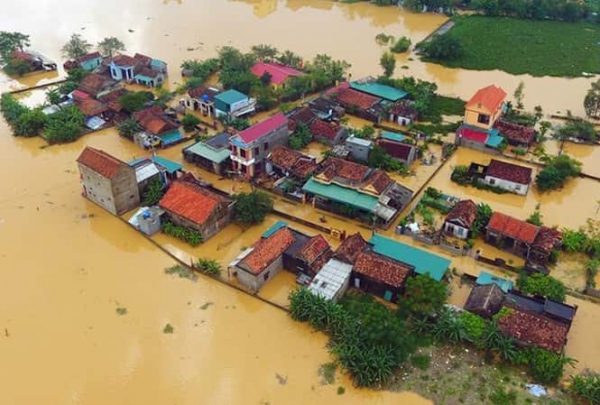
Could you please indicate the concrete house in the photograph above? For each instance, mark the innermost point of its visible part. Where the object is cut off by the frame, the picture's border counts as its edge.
(234, 104)
(250, 147)
(212, 154)
(108, 181)
(332, 281)
(508, 176)
(201, 99)
(403, 113)
(158, 126)
(190, 204)
(403, 152)
(140, 69)
(460, 220)
(358, 148)
(89, 62)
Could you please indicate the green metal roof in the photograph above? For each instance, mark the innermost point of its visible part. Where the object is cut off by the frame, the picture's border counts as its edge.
(341, 194)
(393, 136)
(379, 90)
(217, 156)
(171, 137)
(424, 262)
(274, 228)
(231, 96)
(494, 138)
(486, 278)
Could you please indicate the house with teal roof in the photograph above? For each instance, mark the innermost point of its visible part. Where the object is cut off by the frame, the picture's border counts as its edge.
(385, 92)
(424, 262)
(234, 104)
(212, 154)
(486, 278)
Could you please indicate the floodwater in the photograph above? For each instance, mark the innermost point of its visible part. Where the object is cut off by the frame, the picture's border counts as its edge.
(66, 265)
(179, 30)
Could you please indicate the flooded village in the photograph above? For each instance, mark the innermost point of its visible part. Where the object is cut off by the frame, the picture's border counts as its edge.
(208, 203)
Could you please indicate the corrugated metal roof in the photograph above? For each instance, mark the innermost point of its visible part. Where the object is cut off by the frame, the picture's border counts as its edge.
(379, 90)
(486, 278)
(330, 279)
(342, 195)
(231, 96)
(171, 137)
(359, 141)
(169, 165)
(274, 228)
(393, 136)
(423, 262)
(201, 149)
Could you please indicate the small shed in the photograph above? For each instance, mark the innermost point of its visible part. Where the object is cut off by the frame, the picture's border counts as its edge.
(332, 281)
(359, 148)
(485, 300)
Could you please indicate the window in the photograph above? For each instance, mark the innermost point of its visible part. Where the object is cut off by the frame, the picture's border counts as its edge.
(483, 119)
(266, 147)
(518, 188)
(243, 153)
(492, 182)
(256, 151)
(266, 276)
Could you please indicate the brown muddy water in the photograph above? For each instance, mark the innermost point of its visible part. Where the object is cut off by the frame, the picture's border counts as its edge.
(179, 30)
(66, 265)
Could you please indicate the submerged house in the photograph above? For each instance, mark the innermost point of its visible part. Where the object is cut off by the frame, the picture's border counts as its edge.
(459, 221)
(485, 300)
(140, 69)
(522, 238)
(190, 204)
(279, 74)
(250, 147)
(34, 60)
(284, 161)
(301, 116)
(380, 275)
(515, 134)
(332, 281)
(159, 130)
(281, 248)
(108, 181)
(212, 154)
(537, 322)
(481, 113)
(363, 190)
(371, 87)
(202, 99)
(95, 112)
(233, 104)
(97, 85)
(330, 133)
(358, 148)
(357, 103)
(155, 167)
(403, 113)
(90, 62)
(507, 176)
(397, 147)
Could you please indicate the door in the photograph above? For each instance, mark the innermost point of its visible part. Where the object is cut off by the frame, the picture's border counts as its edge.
(356, 282)
(388, 295)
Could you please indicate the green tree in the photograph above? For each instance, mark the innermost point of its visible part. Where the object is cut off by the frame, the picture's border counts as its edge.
(200, 70)
(388, 63)
(76, 46)
(135, 101)
(401, 45)
(65, 125)
(153, 193)
(579, 129)
(424, 296)
(444, 47)
(289, 58)
(557, 171)
(252, 208)
(16, 67)
(53, 96)
(10, 42)
(542, 285)
(110, 45)
(265, 53)
(30, 123)
(128, 128)
(536, 217)
(301, 137)
(591, 102)
(519, 95)
(189, 122)
(266, 97)
(482, 218)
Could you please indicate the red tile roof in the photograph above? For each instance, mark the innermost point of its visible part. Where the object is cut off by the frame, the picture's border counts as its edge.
(112, 99)
(547, 239)
(268, 249)
(199, 92)
(89, 56)
(324, 129)
(515, 132)
(93, 83)
(301, 115)
(350, 248)
(315, 247)
(380, 181)
(142, 59)
(24, 56)
(154, 121)
(513, 228)
(146, 71)
(472, 134)
(382, 269)
(356, 98)
(80, 95)
(191, 201)
(490, 97)
(124, 60)
(279, 73)
(292, 161)
(334, 167)
(534, 329)
(91, 108)
(261, 129)
(338, 88)
(464, 213)
(509, 172)
(101, 162)
(396, 150)
(403, 110)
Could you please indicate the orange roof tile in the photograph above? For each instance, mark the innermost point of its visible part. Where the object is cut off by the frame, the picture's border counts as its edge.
(334, 167)
(191, 201)
(312, 249)
(90, 107)
(513, 228)
(382, 269)
(100, 162)
(350, 248)
(356, 98)
(268, 249)
(490, 97)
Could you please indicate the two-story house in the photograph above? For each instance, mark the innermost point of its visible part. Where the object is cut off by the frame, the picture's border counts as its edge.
(250, 147)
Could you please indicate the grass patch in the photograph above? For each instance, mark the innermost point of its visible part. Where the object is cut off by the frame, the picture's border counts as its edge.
(181, 271)
(327, 372)
(540, 48)
(422, 362)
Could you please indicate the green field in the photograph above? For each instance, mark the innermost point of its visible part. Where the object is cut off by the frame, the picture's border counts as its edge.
(540, 48)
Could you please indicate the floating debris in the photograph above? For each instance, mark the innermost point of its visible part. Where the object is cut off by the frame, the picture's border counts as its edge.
(206, 305)
(121, 311)
(168, 328)
(281, 379)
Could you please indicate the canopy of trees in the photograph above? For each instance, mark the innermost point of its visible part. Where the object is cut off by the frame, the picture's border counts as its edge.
(251, 208)
(558, 170)
(76, 46)
(110, 45)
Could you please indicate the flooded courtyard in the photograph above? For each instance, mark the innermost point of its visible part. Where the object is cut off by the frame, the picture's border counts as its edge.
(67, 265)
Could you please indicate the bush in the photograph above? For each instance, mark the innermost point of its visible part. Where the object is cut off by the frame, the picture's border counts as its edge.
(542, 285)
(401, 45)
(424, 296)
(135, 101)
(544, 366)
(16, 67)
(558, 170)
(301, 137)
(181, 271)
(251, 208)
(443, 47)
(154, 193)
(587, 387)
(189, 122)
(474, 327)
(189, 236)
(209, 267)
(128, 128)
(65, 125)
(30, 123)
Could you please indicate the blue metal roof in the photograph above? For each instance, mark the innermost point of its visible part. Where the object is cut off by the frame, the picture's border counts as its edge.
(393, 136)
(274, 228)
(486, 278)
(170, 166)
